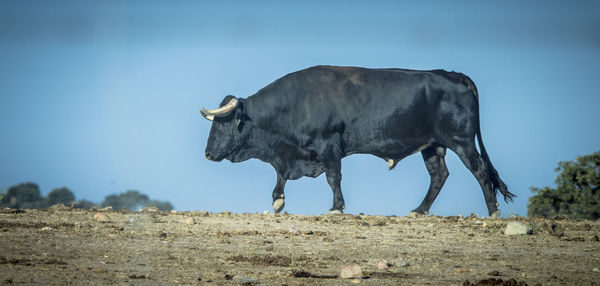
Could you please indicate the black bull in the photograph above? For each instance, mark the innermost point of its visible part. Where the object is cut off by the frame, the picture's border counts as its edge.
(304, 123)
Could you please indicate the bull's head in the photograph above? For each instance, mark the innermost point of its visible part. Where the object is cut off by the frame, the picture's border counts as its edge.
(228, 133)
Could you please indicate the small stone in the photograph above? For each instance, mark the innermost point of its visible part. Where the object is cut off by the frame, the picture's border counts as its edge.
(594, 238)
(382, 264)
(173, 211)
(401, 263)
(294, 231)
(149, 209)
(596, 269)
(517, 228)
(200, 213)
(189, 220)
(266, 212)
(494, 273)
(134, 276)
(46, 228)
(241, 279)
(108, 208)
(555, 229)
(352, 271)
(101, 217)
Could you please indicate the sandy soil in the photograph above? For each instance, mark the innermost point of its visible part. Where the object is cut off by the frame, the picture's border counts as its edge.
(64, 246)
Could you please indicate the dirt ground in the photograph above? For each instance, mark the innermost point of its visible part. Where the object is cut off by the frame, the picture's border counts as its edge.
(65, 246)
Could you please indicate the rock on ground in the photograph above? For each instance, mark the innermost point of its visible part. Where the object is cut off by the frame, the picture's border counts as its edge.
(352, 271)
(101, 217)
(517, 228)
(241, 279)
(190, 220)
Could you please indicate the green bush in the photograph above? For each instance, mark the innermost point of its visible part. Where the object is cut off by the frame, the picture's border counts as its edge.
(576, 194)
(25, 196)
(61, 196)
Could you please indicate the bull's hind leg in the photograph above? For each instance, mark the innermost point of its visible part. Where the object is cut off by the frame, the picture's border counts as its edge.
(470, 157)
(334, 178)
(436, 166)
(278, 197)
(330, 154)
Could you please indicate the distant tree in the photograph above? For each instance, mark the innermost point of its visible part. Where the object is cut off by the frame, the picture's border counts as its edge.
(577, 192)
(134, 200)
(131, 200)
(112, 201)
(61, 196)
(83, 204)
(25, 195)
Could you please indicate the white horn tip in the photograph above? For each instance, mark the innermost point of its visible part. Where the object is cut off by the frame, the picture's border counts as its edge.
(209, 117)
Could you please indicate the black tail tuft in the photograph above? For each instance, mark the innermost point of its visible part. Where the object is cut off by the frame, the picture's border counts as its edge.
(498, 184)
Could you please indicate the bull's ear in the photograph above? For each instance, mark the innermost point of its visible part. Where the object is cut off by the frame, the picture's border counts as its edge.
(240, 121)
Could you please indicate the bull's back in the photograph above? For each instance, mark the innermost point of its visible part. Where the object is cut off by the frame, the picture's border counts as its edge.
(369, 106)
(349, 93)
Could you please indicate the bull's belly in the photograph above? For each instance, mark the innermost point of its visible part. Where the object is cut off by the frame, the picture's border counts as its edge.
(296, 169)
(390, 148)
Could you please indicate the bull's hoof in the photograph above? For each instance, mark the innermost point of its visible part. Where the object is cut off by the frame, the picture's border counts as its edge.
(415, 214)
(334, 212)
(495, 214)
(278, 205)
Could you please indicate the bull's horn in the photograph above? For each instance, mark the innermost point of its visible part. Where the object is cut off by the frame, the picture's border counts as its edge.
(209, 117)
(225, 109)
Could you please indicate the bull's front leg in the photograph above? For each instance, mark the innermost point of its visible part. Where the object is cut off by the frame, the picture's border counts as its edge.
(278, 196)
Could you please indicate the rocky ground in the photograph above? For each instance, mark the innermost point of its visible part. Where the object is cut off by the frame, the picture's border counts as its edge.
(65, 246)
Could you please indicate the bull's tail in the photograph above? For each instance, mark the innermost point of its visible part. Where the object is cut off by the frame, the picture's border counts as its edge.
(497, 183)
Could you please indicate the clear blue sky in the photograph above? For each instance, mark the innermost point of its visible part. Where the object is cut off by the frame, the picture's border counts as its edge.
(104, 96)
